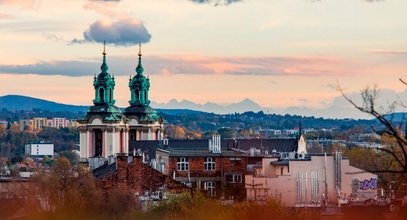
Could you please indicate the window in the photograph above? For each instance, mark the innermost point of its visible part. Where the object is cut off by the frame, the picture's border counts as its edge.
(183, 164)
(210, 164)
(235, 161)
(234, 178)
(137, 95)
(101, 95)
(210, 188)
(282, 170)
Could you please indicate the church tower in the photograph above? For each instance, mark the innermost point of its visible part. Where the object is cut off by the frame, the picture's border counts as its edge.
(103, 131)
(143, 121)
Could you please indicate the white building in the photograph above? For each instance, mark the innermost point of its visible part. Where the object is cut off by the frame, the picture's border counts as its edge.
(58, 122)
(310, 181)
(39, 149)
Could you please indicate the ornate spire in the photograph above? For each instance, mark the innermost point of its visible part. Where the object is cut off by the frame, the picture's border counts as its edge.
(139, 68)
(104, 66)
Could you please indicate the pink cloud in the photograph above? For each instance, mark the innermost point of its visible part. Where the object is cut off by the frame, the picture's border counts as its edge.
(197, 65)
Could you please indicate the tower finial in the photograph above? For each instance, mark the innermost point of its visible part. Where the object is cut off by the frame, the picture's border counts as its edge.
(139, 49)
(104, 66)
(139, 68)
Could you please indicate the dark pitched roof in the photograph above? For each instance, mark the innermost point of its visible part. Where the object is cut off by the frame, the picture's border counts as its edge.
(103, 170)
(278, 144)
(201, 147)
(148, 147)
(181, 148)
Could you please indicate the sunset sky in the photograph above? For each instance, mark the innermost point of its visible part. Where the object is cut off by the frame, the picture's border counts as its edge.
(279, 53)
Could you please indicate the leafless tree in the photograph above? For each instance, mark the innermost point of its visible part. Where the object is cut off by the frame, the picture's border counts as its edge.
(398, 150)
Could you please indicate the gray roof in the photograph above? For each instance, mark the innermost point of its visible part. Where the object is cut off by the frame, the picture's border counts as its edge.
(278, 144)
(104, 170)
(201, 147)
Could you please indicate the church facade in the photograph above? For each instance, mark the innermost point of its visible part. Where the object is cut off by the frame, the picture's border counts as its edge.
(105, 130)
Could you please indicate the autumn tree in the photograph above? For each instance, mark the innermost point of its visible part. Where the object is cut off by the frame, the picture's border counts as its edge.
(71, 192)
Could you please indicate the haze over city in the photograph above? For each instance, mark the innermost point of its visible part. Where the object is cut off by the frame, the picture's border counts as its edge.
(287, 56)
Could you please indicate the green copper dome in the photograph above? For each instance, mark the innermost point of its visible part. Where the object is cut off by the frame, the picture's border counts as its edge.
(139, 86)
(139, 101)
(104, 101)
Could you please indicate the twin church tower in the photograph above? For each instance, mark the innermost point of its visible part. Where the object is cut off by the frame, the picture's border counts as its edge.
(106, 130)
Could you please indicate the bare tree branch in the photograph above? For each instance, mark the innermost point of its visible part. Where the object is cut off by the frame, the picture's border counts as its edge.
(369, 97)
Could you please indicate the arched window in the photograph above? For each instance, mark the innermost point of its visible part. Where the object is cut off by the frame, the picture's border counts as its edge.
(111, 95)
(102, 95)
(137, 94)
(145, 95)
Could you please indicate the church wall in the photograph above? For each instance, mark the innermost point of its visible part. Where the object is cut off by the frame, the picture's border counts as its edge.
(115, 141)
(83, 148)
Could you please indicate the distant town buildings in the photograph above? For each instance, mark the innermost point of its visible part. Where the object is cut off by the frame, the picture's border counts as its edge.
(25, 123)
(4, 123)
(58, 122)
(38, 123)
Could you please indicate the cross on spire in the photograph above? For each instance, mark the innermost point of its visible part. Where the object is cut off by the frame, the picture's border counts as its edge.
(104, 47)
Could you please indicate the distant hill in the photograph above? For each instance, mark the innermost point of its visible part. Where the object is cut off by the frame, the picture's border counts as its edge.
(191, 119)
(18, 102)
(397, 117)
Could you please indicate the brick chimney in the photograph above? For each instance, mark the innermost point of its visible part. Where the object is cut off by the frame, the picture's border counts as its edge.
(122, 171)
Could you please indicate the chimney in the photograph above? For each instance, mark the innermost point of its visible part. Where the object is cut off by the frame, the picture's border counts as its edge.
(121, 166)
(165, 141)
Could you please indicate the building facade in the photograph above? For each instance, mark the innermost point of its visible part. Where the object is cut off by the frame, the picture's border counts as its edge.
(58, 123)
(208, 165)
(39, 123)
(105, 131)
(132, 174)
(310, 181)
(39, 149)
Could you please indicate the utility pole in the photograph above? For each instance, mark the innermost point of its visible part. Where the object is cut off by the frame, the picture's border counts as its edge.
(252, 185)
